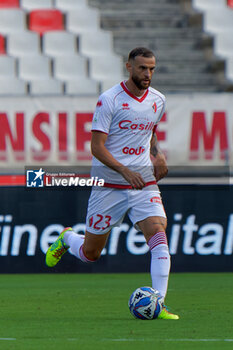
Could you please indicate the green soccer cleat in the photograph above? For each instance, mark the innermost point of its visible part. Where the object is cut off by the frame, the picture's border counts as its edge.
(57, 249)
(166, 315)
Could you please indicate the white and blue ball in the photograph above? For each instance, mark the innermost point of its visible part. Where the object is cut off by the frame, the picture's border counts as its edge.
(145, 303)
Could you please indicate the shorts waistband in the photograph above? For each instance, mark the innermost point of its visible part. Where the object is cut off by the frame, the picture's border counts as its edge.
(127, 187)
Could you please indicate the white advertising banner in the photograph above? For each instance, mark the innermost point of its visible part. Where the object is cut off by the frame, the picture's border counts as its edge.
(195, 130)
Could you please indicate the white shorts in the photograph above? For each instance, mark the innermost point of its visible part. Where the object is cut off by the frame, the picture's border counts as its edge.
(107, 207)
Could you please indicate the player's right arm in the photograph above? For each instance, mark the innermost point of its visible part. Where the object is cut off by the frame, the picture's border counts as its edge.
(99, 151)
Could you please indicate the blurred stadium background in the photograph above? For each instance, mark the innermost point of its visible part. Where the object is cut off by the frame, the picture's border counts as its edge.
(56, 57)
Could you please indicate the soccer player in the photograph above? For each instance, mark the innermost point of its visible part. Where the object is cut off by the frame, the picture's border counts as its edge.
(123, 141)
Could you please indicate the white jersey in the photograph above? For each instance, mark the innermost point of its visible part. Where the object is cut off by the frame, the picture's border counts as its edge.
(129, 122)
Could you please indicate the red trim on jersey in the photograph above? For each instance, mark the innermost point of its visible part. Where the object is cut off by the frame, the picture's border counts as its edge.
(141, 99)
(100, 131)
(127, 187)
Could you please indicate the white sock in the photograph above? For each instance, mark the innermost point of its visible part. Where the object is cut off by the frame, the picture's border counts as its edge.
(75, 242)
(160, 262)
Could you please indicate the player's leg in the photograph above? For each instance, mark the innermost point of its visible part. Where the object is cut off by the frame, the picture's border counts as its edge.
(86, 247)
(147, 214)
(154, 228)
(106, 209)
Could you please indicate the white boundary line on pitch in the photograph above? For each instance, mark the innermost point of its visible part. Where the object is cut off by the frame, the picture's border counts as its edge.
(172, 340)
(200, 340)
(142, 339)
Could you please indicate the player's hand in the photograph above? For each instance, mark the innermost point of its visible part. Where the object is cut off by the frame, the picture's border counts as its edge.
(160, 166)
(135, 179)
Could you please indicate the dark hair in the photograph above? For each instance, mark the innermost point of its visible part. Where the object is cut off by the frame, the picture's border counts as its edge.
(140, 51)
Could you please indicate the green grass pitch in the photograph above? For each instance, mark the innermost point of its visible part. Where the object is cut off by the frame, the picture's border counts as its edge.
(90, 311)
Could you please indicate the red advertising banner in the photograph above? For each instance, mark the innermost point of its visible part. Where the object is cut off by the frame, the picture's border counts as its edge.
(195, 130)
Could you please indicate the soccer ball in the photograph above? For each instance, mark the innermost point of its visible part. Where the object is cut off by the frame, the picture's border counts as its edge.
(145, 303)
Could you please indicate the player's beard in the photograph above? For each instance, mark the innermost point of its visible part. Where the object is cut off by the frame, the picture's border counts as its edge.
(139, 84)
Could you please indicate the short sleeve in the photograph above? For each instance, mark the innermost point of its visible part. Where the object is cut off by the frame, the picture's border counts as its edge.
(102, 117)
(162, 112)
(160, 116)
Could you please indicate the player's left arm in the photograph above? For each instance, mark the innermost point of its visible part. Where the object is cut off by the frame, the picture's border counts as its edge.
(158, 159)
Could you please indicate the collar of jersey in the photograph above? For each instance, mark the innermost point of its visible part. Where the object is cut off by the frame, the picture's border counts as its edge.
(124, 87)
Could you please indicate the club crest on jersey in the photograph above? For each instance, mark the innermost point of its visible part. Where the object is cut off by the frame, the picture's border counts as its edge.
(154, 106)
(125, 106)
(99, 103)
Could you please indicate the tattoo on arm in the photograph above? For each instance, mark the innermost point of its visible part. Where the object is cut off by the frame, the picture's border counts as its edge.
(154, 147)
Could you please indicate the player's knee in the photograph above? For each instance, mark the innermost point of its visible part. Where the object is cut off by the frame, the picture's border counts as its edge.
(92, 254)
(160, 227)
